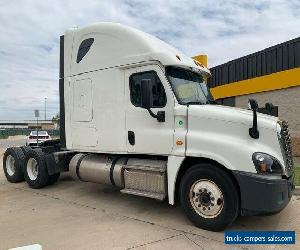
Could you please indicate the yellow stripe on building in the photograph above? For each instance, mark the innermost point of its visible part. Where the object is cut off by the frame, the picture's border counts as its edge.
(278, 80)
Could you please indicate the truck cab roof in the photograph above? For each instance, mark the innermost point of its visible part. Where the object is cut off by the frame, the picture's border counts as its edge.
(109, 45)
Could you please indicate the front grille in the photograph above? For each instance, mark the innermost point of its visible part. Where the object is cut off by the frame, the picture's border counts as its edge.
(286, 148)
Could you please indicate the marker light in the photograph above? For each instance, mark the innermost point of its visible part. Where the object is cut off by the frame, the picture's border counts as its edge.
(179, 142)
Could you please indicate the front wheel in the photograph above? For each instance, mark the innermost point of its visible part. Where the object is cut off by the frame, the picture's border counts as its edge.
(209, 197)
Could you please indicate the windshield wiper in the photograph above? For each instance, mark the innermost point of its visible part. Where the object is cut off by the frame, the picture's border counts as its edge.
(194, 102)
(211, 102)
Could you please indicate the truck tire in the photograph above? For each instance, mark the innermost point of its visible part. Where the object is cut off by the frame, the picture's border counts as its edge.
(25, 149)
(209, 197)
(35, 169)
(13, 161)
(53, 178)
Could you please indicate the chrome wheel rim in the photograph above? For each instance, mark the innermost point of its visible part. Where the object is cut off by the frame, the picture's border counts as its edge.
(32, 169)
(206, 198)
(10, 165)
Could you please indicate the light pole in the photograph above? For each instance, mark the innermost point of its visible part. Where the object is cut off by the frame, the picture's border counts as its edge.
(37, 114)
(45, 108)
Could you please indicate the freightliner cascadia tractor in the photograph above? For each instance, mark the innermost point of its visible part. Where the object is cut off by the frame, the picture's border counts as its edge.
(137, 114)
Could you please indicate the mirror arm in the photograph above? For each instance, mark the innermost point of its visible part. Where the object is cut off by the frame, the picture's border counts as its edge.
(152, 114)
(253, 132)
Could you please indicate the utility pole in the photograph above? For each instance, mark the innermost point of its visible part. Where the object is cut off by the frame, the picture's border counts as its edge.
(45, 108)
(37, 114)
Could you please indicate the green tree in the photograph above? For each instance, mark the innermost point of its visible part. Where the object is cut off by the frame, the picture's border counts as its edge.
(56, 119)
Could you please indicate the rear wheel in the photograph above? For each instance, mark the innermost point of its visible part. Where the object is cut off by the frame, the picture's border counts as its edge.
(13, 161)
(35, 169)
(53, 178)
(25, 149)
(209, 197)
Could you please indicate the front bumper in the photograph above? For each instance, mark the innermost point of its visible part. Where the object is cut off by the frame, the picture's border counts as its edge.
(262, 194)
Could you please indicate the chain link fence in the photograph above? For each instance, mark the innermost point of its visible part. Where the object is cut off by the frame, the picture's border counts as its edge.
(5, 133)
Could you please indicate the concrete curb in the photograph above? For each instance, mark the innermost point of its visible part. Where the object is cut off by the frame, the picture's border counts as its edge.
(297, 191)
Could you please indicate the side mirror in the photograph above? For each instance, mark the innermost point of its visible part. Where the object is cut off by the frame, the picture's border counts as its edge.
(145, 93)
(146, 101)
(161, 116)
(269, 107)
(252, 104)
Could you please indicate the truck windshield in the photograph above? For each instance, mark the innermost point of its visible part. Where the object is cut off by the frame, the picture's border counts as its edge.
(189, 87)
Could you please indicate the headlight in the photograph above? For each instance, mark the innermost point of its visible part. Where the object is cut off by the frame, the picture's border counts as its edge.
(266, 164)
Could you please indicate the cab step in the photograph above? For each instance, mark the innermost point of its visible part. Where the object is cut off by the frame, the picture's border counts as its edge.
(156, 196)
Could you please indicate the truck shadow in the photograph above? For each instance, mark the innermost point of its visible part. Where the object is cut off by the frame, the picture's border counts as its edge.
(110, 200)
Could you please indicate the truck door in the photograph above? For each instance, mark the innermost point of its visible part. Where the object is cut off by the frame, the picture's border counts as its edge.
(145, 134)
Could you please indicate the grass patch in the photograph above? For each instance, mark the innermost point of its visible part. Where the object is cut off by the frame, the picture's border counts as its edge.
(297, 176)
(3, 136)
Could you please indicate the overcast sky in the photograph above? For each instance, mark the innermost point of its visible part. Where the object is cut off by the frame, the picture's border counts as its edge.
(30, 30)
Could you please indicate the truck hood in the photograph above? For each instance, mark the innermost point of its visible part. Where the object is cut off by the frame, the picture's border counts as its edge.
(221, 133)
(231, 115)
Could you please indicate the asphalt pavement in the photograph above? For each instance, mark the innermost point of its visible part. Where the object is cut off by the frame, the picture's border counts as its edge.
(4, 143)
(80, 215)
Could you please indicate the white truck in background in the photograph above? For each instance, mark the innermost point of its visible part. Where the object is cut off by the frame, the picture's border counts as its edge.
(136, 113)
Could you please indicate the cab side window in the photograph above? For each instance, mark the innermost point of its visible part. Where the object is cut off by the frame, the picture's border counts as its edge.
(158, 97)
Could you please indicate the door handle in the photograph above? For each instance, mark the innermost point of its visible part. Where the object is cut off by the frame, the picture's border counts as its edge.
(131, 138)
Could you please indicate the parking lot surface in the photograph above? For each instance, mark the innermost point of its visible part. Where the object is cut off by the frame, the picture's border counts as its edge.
(80, 215)
(12, 143)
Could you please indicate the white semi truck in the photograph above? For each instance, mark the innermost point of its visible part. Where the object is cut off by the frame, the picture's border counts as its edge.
(137, 114)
